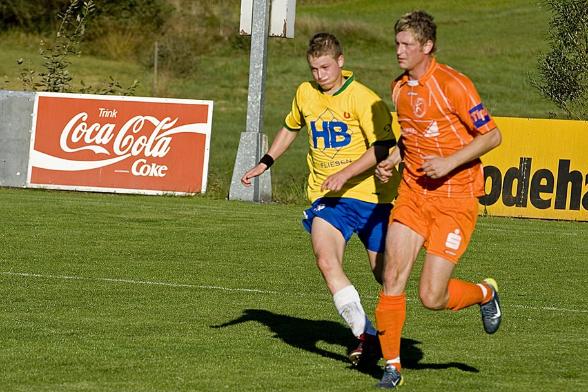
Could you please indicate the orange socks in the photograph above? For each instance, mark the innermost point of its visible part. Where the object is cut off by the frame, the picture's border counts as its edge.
(463, 294)
(391, 313)
(390, 316)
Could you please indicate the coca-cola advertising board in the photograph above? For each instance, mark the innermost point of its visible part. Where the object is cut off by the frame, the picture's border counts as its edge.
(120, 144)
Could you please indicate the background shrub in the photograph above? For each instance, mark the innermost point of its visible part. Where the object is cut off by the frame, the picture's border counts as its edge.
(563, 70)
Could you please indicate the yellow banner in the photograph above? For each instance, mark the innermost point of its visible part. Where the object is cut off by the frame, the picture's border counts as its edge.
(539, 171)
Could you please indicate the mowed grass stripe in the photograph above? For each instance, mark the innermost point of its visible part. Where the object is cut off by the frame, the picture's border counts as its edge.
(140, 329)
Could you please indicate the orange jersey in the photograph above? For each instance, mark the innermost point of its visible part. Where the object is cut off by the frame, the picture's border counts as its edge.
(439, 114)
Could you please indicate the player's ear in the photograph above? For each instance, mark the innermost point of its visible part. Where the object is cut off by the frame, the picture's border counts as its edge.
(340, 61)
(428, 47)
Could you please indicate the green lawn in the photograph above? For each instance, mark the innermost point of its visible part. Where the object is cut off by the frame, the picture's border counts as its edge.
(135, 293)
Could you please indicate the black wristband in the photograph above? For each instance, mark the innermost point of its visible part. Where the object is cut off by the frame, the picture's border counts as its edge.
(267, 160)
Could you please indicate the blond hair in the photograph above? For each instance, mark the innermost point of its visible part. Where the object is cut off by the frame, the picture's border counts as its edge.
(420, 24)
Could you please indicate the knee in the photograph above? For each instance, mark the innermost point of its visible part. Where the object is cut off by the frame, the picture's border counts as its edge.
(325, 264)
(432, 300)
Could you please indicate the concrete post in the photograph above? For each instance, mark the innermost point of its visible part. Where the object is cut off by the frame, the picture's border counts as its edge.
(16, 122)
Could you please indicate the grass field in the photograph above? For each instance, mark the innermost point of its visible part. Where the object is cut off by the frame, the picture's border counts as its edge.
(134, 293)
(119, 293)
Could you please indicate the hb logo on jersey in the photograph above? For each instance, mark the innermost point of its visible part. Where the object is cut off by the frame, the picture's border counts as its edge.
(329, 134)
(333, 133)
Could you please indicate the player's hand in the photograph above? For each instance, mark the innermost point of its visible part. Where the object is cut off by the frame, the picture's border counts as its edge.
(254, 172)
(437, 167)
(385, 170)
(335, 182)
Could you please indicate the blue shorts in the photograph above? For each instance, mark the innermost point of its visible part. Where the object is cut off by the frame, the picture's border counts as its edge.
(368, 220)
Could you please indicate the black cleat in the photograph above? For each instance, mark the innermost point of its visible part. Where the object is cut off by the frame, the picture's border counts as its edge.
(490, 311)
(391, 378)
(368, 351)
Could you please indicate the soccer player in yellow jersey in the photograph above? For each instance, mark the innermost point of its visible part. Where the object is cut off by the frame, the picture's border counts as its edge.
(349, 130)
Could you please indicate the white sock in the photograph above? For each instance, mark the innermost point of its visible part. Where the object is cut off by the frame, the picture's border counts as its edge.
(349, 307)
(484, 290)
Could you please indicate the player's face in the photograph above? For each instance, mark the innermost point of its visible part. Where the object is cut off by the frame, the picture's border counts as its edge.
(326, 71)
(409, 52)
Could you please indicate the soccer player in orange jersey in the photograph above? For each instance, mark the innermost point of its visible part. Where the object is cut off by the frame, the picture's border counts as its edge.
(445, 128)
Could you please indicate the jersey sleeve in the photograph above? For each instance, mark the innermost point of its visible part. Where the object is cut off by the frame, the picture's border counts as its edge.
(375, 120)
(294, 121)
(468, 106)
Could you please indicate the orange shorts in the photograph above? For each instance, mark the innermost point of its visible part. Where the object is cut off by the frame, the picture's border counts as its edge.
(446, 223)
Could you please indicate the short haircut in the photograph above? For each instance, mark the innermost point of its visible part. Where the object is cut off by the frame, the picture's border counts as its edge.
(420, 24)
(324, 44)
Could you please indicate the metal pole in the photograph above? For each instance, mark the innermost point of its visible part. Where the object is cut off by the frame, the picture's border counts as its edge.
(253, 142)
(257, 65)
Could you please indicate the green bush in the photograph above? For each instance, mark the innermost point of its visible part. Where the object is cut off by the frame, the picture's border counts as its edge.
(185, 30)
(126, 29)
(30, 16)
(563, 71)
(40, 15)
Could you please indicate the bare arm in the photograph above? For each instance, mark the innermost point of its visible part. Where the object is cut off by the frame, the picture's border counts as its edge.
(437, 167)
(282, 141)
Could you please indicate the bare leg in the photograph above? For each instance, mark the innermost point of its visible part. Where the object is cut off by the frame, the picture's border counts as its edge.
(328, 245)
(434, 280)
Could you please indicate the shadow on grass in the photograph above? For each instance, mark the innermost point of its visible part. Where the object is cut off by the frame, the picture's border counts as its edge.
(306, 334)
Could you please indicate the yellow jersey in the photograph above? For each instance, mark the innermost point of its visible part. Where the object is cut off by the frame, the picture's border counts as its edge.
(341, 127)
